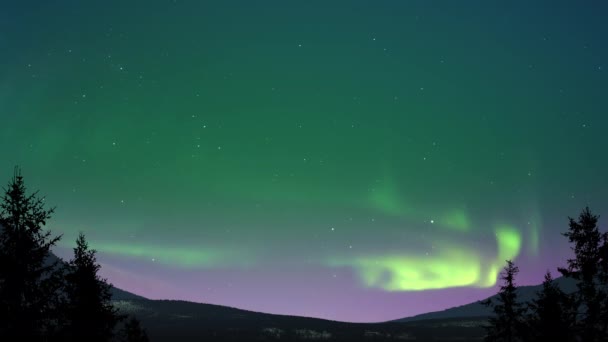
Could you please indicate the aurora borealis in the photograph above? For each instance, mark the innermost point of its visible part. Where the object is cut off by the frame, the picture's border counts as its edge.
(350, 160)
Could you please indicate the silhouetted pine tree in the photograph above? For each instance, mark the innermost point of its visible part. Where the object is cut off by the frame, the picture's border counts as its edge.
(587, 268)
(507, 322)
(552, 314)
(133, 332)
(603, 278)
(28, 282)
(89, 312)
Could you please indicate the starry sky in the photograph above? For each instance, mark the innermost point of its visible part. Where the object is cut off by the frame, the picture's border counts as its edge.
(351, 160)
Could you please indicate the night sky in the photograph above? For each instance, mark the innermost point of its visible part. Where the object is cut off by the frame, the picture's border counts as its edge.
(350, 160)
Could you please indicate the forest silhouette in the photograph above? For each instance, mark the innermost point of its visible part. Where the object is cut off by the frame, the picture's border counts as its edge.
(44, 300)
(555, 315)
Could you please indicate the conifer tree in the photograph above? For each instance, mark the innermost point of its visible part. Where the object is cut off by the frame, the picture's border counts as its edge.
(552, 314)
(507, 323)
(29, 284)
(587, 268)
(89, 311)
(603, 278)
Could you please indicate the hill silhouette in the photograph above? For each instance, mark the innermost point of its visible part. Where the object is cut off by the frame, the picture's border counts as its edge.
(170, 320)
(476, 309)
(166, 320)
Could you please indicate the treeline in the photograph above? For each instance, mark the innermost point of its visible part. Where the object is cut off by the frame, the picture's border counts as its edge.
(45, 299)
(555, 315)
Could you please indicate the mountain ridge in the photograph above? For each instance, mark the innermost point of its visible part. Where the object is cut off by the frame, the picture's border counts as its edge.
(476, 309)
(170, 320)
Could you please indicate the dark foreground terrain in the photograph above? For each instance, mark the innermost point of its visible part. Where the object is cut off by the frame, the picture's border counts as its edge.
(168, 320)
(184, 321)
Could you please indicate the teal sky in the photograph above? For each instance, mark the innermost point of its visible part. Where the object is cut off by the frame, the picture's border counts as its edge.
(352, 160)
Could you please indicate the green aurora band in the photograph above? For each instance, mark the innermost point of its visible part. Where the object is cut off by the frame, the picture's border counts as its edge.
(452, 266)
(182, 257)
